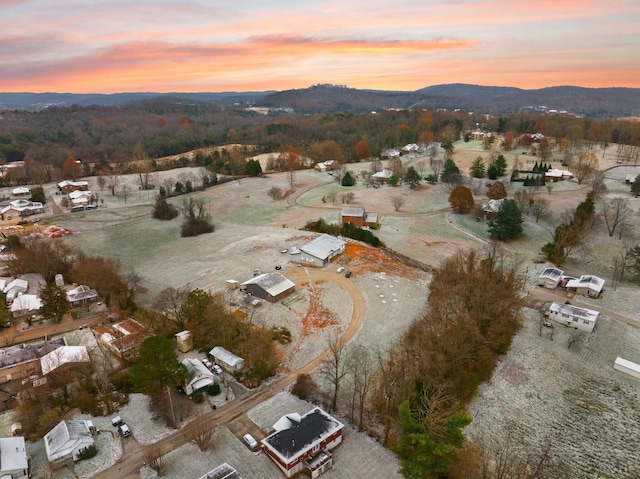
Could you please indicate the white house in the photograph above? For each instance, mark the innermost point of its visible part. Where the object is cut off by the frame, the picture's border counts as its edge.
(321, 250)
(226, 359)
(79, 197)
(198, 376)
(587, 285)
(555, 174)
(17, 209)
(21, 191)
(25, 304)
(550, 278)
(304, 442)
(67, 440)
(14, 288)
(81, 295)
(573, 316)
(14, 462)
(382, 176)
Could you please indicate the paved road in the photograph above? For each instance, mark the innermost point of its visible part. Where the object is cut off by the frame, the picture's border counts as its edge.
(129, 465)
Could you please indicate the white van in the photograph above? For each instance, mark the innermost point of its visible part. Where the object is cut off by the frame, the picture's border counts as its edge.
(250, 441)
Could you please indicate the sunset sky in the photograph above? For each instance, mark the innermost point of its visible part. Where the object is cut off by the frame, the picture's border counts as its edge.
(108, 46)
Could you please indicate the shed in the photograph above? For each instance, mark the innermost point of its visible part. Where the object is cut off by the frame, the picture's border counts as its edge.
(184, 340)
(269, 286)
(232, 284)
(321, 250)
(573, 316)
(67, 440)
(21, 191)
(226, 359)
(550, 278)
(627, 367)
(198, 376)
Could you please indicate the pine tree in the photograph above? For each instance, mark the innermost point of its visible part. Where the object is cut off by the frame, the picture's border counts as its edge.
(508, 222)
(477, 168)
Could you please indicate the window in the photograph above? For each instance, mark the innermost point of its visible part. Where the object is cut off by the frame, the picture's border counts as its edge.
(315, 448)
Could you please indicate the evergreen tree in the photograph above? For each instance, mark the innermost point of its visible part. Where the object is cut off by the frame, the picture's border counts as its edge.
(157, 366)
(635, 186)
(508, 222)
(54, 302)
(450, 172)
(393, 180)
(412, 177)
(348, 180)
(477, 168)
(501, 165)
(253, 168)
(492, 171)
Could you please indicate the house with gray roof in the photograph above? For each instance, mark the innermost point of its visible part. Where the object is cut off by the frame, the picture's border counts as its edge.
(81, 295)
(550, 278)
(223, 471)
(304, 442)
(587, 285)
(320, 251)
(573, 316)
(64, 443)
(358, 216)
(269, 286)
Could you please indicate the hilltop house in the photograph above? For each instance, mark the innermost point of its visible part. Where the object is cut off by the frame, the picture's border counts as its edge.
(357, 216)
(14, 462)
(320, 251)
(67, 186)
(18, 209)
(198, 376)
(67, 440)
(573, 316)
(304, 442)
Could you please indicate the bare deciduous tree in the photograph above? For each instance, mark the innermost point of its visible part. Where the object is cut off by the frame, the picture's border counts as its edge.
(347, 198)
(397, 201)
(539, 207)
(201, 436)
(616, 212)
(275, 192)
(155, 460)
(334, 368)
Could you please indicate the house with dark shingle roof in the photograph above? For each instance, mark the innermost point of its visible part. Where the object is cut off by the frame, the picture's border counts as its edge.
(304, 442)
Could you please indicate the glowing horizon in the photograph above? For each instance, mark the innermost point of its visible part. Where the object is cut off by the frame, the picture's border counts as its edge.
(171, 46)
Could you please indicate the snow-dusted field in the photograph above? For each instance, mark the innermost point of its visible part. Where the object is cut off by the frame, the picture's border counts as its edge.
(544, 391)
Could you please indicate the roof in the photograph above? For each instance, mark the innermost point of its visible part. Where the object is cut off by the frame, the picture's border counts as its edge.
(323, 246)
(129, 326)
(627, 364)
(385, 174)
(223, 471)
(22, 205)
(353, 211)
(196, 370)
(21, 190)
(16, 284)
(556, 173)
(79, 194)
(225, 356)
(302, 435)
(554, 274)
(64, 183)
(272, 283)
(63, 355)
(80, 293)
(371, 217)
(494, 205)
(575, 311)
(13, 454)
(65, 437)
(26, 302)
(587, 281)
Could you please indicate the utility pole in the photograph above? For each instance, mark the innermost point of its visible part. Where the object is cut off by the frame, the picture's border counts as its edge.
(173, 415)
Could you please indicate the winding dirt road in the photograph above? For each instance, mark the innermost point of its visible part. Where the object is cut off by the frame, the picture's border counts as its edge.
(129, 465)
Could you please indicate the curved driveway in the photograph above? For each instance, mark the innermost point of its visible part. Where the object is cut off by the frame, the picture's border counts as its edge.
(128, 467)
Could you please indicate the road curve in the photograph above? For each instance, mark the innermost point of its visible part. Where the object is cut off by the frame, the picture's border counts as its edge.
(128, 467)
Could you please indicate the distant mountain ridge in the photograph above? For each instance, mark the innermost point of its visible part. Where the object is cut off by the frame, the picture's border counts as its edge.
(591, 102)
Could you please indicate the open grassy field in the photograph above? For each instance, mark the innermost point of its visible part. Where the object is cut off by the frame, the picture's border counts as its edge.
(542, 389)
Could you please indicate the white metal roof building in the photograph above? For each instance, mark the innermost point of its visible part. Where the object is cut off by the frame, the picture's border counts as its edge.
(550, 277)
(587, 285)
(573, 316)
(63, 355)
(321, 250)
(269, 286)
(67, 440)
(199, 376)
(226, 359)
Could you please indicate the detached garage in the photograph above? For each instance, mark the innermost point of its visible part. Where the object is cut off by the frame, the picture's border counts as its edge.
(226, 359)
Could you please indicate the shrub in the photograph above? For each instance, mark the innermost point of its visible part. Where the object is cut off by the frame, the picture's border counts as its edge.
(88, 452)
(164, 211)
(214, 389)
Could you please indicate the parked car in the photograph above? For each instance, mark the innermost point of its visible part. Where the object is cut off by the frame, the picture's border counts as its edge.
(124, 430)
(216, 369)
(250, 441)
(347, 274)
(207, 363)
(340, 269)
(278, 267)
(116, 421)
